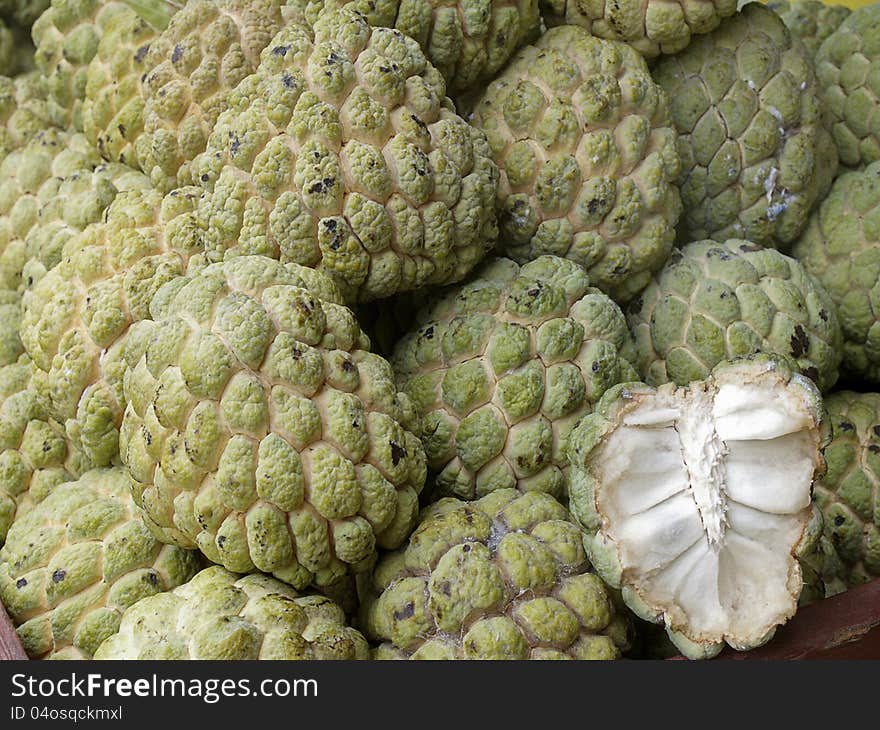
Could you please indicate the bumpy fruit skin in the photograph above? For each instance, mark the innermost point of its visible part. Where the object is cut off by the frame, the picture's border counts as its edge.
(23, 110)
(341, 153)
(716, 301)
(77, 318)
(611, 548)
(34, 454)
(810, 20)
(207, 49)
(500, 369)
(586, 149)
(651, 27)
(848, 68)
(849, 493)
(261, 430)
(22, 13)
(223, 616)
(76, 561)
(504, 577)
(113, 107)
(841, 248)
(755, 151)
(66, 37)
(468, 41)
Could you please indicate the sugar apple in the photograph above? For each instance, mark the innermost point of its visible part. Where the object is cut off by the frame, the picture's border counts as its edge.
(849, 494)
(586, 149)
(113, 105)
(22, 13)
(841, 248)
(810, 20)
(35, 456)
(207, 49)
(342, 154)
(77, 317)
(756, 153)
(468, 41)
(696, 501)
(848, 68)
(261, 430)
(66, 37)
(24, 111)
(500, 369)
(715, 301)
(222, 616)
(76, 561)
(504, 577)
(651, 27)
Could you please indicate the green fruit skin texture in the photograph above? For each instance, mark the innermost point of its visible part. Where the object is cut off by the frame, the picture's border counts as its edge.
(261, 430)
(504, 577)
(74, 563)
(500, 369)
(222, 616)
(586, 149)
(848, 494)
(716, 301)
(651, 27)
(848, 67)
(755, 149)
(841, 248)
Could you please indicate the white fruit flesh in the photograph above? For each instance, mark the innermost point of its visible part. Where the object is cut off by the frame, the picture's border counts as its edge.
(706, 492)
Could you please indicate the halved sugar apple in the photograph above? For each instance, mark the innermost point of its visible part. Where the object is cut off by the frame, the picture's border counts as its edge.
(468, 41)
(76, 561)
(343, 154)
(651, 27)
(585, 145)
(504, 577)
(500, 368)
(223, 616)
(716, 301)
(260, 429)
(697, 500)
(849, 492)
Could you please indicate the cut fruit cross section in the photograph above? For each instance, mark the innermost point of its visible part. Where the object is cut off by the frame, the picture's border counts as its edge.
(697, 499)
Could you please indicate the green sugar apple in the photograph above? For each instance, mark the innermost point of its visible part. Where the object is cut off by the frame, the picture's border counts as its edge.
(24, 112)
(500, 369)
(341, 153)
(696, 501)
(504, 577)
(841, 248)
(66, 37)
(35, 456)
(22, 13)
(716, 301)
(76, 561)
(848, 68)
(77, 317)
(810, 20)
(260, 429)
(586, 149)
(468, 41)
(651, 27)
(222, 616)
(756, 154)
(848, 493)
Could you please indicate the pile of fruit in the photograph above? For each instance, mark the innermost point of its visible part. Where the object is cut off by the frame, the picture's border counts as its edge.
(384, 329)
